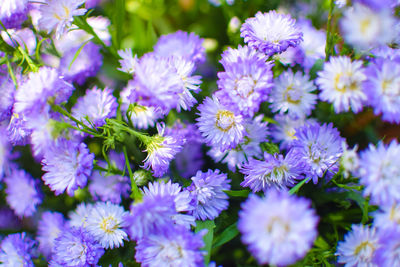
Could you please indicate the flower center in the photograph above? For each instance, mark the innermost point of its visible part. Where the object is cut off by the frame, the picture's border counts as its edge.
(109, 225)
(277, 229)
(365, 251)
(225, 120)
(245, 86)
(292, 96)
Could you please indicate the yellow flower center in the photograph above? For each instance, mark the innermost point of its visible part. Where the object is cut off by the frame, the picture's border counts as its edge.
(225, 120)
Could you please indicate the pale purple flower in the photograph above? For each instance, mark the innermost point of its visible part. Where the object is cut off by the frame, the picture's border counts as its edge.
(207, 190)
(23, 194)
(285, 129)
(128, 61)
(13, 12)
(67, 166)
(7, 92)
(388, 217)
(388, 253)
(17, 250)
(50, 226)
(24, 38)
(78, 217)
(17, 130)
(219, 124)
(279, 228)
(271, 32)
(187, 45)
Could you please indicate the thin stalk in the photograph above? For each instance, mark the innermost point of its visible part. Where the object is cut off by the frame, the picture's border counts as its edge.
(136, 195)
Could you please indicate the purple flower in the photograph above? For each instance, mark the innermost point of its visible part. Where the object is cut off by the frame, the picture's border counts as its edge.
(207, 190)
(379, 171)
(128, 61)
(285, 129)
(58, 15)
(13, 12)
(42, 87)
(161, 149)
(78, 217)
(275, 170)
(23, 193)
(173, 246)
(76, 247)
(24, 38)
(67, 166)
(387, 254)
(246, 82)
(383, 88)
(7, 89)
(85, 65)
(182, 200)
(8, 219)
(17, 130)
(279, 228)
(187, 45)
(359, 246)
(50, 226)
(97, 105)
(320, 148)
(271, 32)
(150, 216)
(220, 125)
(388, 217)
(17, 250)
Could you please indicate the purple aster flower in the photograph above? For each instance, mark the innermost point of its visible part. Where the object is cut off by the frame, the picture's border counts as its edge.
(285, 129)
(58, 15)
(378, 4)
(24, 38)
(341, 84)
(7, 91)
(173, 246)
(42, 87)
(105, 223)
(78, 217)
(359, 247)
(320, 148)
(6, 154)
(219, 124)
(150, 216)
(17, 130)
(50, 226)
(182, 200)
(8, 220)
(17, 250)
(271, 32)
(13, 12)
(76, 247)
(161, 149)
(86, 64)
(187, 45)
(246, 82)
(388, 254)
(279, 228)
(128, 61)
(156, 82)
(383, 88)
(292, 93)
(379, 171)
(208, 193)
(97, 105)
(388, 217)
(386, 52)
(231, 56)
(23, 193)
(256, 133)
(67, 166)
(366, 28)
(92, 3)
(275, 170)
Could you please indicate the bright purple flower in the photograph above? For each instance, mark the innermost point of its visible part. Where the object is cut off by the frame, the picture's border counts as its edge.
(150, 216)
(5, 154)
(220, 125)
(383, 88)
(7, 91)
(207, 190)
(320, 148)
(187, 45)
(379, 171)
(359, 247)
(274, 171)
(23, 194)
(76, 247)
(173, 246)
(86, 64)
(50, 226)
(17, 250)
(97, 105)
(246, 82)
(17, 130)
(8, 220)
(386, 52)
(388, 254)
(271, 32)
(13, 12)
(279, 228)
(67, 166)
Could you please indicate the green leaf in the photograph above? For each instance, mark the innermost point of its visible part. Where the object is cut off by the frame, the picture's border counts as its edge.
(208, 238)
(77, 53)
(270, 148)
(238, 193)
(297, 187)
(227, 235)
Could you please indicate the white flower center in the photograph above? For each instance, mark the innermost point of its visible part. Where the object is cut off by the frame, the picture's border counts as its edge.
(225, 120)
(109, 224)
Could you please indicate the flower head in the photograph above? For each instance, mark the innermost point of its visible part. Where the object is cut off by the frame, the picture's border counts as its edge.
(341, 84)
(13, 12)
(279, 229)
(78, 217)
(219, 124)
(50, 227)
(388, 254)
(207, 190)
(358, 247)
(128, 61)
(17, 250)
(67, 166)
(58, 15)
(271, 32)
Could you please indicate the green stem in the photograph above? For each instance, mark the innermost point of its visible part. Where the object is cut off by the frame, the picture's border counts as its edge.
(136, 195)
(329, 40)
(99, 168)
(10, 70)
(297, 187)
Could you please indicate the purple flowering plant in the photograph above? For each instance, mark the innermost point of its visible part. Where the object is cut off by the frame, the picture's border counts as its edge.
(199, 133)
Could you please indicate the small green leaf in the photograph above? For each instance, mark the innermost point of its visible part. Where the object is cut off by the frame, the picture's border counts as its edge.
(227, 235)
(238, 193)
(208, 238)
(270, 148)
(297, 187)
(77, 53)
